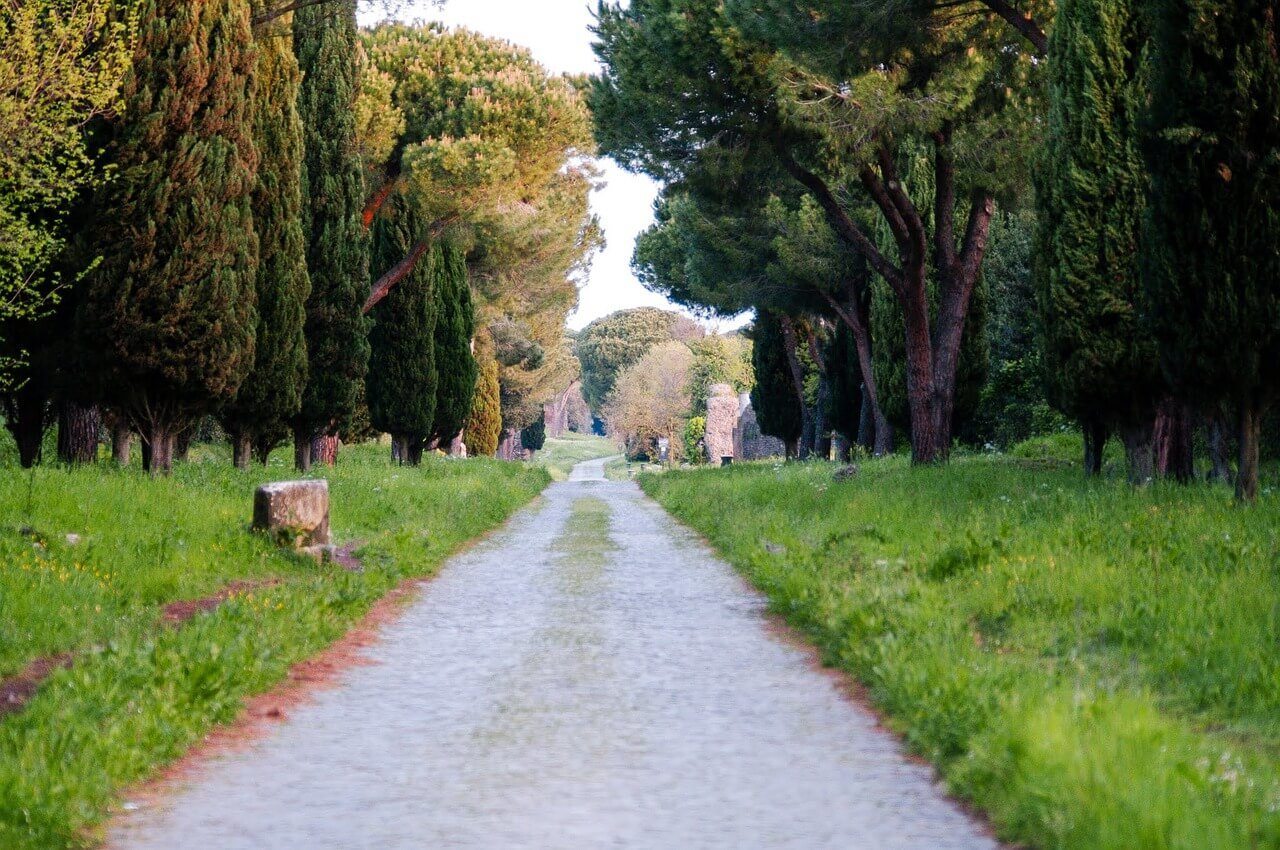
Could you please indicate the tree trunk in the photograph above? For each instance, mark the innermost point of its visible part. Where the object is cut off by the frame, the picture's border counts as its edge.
(1139, 451)
(181, 446)
(1095, 440)
(1219, 449)
(25, 419)
(822, 434)
(241, 450)
(874, 432)
(415, 449)
(1173, 434)
(458, 446)
(158, 450)
(301, 451)
(507, 445)
(841, 447)
(399, 449)
(121, 441)
(262, 448)
(866, 422)
(791, 449)
(324, 449)
(1247, 464)
(790, 342)
(920, 392)
(78, 427)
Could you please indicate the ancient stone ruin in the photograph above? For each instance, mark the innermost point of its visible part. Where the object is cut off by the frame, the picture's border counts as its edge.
(722, 419)
(732, 429)
(296, 515)
(748, 441)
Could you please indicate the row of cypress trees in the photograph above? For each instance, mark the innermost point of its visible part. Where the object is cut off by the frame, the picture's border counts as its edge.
(235, 261)
(1159, 240)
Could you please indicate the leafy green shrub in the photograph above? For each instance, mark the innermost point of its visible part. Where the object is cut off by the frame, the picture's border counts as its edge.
(694, 430)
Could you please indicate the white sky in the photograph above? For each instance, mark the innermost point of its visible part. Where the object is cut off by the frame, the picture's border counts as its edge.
(557, 33)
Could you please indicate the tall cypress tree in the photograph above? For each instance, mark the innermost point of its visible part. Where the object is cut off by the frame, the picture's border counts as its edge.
(271, 396)
(1100, 358)
(171, 310)
(325, 39)
(845, 405)
(455, 366)
(1212, 255)
(484, 424)
(402, 382)
(777, 407)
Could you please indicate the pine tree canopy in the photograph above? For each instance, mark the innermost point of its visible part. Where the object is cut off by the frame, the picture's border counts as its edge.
(609, 345)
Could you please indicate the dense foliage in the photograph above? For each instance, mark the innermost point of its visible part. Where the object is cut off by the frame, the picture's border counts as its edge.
(1211, 258)
(403, 368)
(61, 66)
(775, 397)
(1100, 359)
(259, 416)
(171, 311)
(608, 346)
(455, 366)
(484, 422)
(325, 41)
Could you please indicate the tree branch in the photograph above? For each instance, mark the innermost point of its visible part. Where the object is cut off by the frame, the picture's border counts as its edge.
(1022, 22)
(383, 285)
(375, 203)
(944, 199)
(901, 200)
(840, 222)
(268, 15)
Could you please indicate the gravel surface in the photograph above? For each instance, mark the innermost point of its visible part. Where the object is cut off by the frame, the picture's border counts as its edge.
(590, 676)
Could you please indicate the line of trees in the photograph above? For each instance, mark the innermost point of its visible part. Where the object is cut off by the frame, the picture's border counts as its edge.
(866, 175)
(300, 228)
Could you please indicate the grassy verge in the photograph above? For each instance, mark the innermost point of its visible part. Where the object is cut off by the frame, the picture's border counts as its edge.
(1096, 667)
(141, 694)
(560, 454)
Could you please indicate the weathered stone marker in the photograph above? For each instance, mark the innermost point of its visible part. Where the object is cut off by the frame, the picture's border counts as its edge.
(296, 514)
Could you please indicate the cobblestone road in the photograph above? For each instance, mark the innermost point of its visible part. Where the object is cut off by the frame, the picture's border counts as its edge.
(590, 676)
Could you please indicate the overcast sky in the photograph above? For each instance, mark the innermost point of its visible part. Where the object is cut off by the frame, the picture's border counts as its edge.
(557, 33)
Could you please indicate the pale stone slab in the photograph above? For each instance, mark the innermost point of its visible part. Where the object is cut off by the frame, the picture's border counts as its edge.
(296, 512)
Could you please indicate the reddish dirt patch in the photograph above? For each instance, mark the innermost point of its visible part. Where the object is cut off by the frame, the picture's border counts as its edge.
(177, 613)
(17, 690)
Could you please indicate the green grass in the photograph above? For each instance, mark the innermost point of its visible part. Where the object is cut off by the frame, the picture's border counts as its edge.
(560, 454)
(141, 694)
(1095, 666)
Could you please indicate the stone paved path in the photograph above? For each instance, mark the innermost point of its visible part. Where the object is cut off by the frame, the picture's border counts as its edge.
(590, 676)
